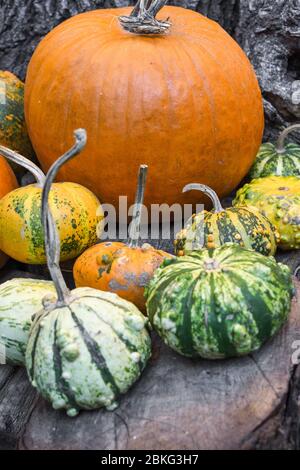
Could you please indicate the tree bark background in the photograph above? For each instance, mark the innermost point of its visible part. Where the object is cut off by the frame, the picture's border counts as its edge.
(268, 31)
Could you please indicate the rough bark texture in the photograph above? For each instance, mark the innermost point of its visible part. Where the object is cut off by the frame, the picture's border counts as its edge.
(268, 31)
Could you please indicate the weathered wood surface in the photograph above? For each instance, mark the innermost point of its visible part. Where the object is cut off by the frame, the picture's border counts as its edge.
(178, 403)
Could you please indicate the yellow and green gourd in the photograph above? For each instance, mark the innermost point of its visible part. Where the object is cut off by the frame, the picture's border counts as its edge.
(277, 198)
(278, 160)
(86, 347)
(20, 300)
(13, 130)
(219, 303)
(76, 210)
(244, 226)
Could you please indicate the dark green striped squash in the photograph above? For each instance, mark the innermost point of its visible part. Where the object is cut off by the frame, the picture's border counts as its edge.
(13, 130)
(219, 303)
(86, 347)
(277, 160)
(244, 226)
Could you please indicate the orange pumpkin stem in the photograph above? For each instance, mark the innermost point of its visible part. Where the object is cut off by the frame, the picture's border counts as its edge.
(25, 163)
(142, 18)
(207, 190)
(135, 226)
(52, 242)
(280, 147)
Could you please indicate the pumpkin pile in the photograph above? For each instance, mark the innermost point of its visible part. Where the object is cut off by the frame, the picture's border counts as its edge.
(182, 98)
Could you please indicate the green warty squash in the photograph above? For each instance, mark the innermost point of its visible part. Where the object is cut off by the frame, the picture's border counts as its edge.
(20, 300)
(87, 347)
(219, 303)
(277, 160)
(240, 225)
(278, 199)
(13, 130)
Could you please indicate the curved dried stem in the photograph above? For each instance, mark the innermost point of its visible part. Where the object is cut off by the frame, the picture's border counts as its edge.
(135, 226)
(207, 190)
(15, 157)
(280, 146)
(52, 241)
(142, 18)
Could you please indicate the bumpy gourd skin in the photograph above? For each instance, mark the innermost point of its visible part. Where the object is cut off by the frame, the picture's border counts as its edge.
(13, 131)
(20, 299)
(278, 198)
(76, 211)
(219, 303)
(116, 267)
(87, 353)
(242, 226)
(271, 163)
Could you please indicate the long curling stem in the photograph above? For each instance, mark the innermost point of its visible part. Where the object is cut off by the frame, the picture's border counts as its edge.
(207, 190)
(280, 146)
(15, 157)
(52, 241)
(135, 226)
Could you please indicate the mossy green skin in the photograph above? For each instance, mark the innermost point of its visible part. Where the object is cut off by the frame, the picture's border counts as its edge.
(269, 162)
(277, 198)
(13, 131)
(20, 300)
(85, 354)
(219, 303)
(245, 227)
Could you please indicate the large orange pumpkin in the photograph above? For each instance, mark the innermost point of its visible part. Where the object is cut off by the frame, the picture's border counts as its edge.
(187, 103)
(8, 182)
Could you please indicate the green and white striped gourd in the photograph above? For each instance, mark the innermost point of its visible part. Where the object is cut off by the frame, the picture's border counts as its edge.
(277, 160)
(20, 300)
(219, 303)
(244, 226)
(87, 347)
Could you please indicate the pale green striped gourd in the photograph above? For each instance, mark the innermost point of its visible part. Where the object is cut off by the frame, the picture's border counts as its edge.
(20, 300)
(277, 160)
(87, 347)
(219, 303)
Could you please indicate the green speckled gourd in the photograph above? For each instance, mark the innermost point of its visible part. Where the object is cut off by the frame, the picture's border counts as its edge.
(278, 198)
(13, 130)
(277, 160)
(219, 303)
(77, 212)
(20, 300)
(87, 347)
(240, 225)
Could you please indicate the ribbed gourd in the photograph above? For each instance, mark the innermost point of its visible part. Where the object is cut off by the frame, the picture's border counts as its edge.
(13, 129)
(277, 198)
(160, 85)
(77, 212)
(219, 303)
(277, 160)
(20, 300)
(122, 268)
(244, 226)
(87, 347)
